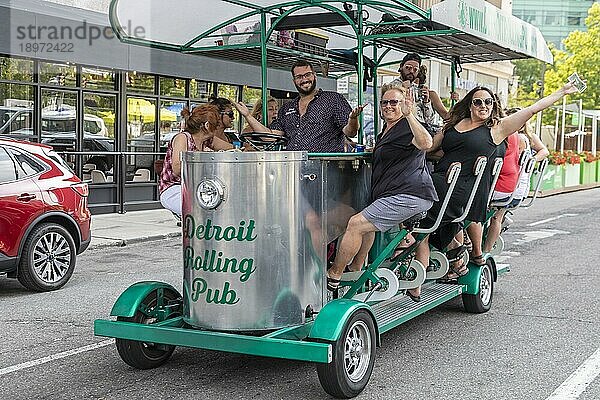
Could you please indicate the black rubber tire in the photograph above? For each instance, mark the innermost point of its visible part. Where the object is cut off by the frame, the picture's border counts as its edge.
(333, 376)
(64, 253)
(481, 302)
(143, 355)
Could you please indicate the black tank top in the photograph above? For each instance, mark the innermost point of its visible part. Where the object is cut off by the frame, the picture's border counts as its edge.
(399, 167)
(465, 147)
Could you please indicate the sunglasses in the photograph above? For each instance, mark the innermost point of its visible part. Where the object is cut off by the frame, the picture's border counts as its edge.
(392, 103)
(304, 76)
(480, 102)
(230, 114)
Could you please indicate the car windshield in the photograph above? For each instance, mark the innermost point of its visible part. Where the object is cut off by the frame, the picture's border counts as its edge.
(5, 116)
(91, 127)
(58, 125)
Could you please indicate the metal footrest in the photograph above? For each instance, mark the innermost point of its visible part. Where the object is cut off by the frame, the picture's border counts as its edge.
(401, 308)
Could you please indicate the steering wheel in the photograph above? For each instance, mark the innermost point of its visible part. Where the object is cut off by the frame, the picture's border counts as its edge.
(265, 141)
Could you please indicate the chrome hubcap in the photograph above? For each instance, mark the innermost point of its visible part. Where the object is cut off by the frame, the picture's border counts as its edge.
(51, 257)
(357, 351)
(485, 285)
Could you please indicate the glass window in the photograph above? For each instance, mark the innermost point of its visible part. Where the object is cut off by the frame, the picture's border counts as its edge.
(16, 110)
(201, 90)
(59, 121)
(94, 78)
(8, 170)
(141, 135)
(58, 74)
(574, 19)
(228, 91)
(26, 166)
(98, 133)
(170, 121)
(14, 69)
(172, 87)
(140, 83)
(250, 95)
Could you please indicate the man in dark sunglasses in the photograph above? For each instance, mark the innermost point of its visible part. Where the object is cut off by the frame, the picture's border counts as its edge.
(409, 78)
(316, 121)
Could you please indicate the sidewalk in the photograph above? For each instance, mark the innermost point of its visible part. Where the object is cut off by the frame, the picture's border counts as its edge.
(131, 227)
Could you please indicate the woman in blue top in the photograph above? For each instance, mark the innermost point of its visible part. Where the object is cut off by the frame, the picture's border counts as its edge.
(401, 185)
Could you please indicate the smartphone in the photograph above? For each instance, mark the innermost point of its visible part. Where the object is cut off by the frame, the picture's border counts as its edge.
(577, 82)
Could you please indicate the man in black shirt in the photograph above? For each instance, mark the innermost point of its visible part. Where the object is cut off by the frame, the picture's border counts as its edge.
(315, 121)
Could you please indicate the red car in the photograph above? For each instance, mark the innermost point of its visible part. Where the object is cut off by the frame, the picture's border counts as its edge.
(44, 218)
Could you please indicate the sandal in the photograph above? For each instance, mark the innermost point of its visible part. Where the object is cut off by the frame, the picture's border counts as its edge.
(456, 271)
(478, 260)
(333, 284)
(404, 244)
(456, 254)
(414, 298)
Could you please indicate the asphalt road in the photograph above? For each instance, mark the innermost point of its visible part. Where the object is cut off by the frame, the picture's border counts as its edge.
(544, 323)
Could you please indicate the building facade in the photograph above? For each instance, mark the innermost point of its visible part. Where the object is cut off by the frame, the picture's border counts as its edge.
(555, 18)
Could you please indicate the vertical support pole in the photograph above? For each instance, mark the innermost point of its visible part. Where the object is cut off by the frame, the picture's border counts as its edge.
(581, 127)
(263, 66)
(360, 71)
(453, 78)
(562, 128)
(554, 146)
(375, 95)
(594, 133)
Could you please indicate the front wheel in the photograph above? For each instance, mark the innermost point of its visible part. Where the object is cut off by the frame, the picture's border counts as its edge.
(481, 302)
(144, 355)
(353, 358)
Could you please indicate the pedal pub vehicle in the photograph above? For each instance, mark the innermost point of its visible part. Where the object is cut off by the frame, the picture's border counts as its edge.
(257, 225)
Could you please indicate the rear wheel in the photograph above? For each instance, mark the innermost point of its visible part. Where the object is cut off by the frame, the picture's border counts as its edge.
(144, 355)
(482, 301)
(48, 258)
(353, 358)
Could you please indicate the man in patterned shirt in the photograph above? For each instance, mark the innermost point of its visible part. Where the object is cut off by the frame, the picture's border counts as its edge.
(316, 121)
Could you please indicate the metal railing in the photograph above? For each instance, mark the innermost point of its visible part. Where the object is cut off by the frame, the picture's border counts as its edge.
(120, 172)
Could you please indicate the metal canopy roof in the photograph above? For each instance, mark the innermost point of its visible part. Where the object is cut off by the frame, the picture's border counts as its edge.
(473, 30)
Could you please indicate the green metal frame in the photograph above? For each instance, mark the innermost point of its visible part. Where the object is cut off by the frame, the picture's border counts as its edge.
(266, 346)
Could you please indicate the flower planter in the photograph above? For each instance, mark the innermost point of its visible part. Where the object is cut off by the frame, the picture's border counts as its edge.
(587, 173)
(597, 170)
(571, 174)
(553, 178)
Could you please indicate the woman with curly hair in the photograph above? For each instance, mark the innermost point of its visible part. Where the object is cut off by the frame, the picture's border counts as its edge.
(475, 128)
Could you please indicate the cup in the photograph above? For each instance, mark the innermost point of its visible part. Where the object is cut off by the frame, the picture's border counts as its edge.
(360, 148)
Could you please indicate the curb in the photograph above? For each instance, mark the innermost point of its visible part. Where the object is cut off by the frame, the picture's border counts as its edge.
(125, 242)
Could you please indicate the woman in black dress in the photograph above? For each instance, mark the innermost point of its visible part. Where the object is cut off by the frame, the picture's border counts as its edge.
(474, 129)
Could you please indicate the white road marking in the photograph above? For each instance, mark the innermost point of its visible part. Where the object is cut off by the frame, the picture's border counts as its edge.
(536, 235)
(551, 219)
(578, 381)
(54, 357)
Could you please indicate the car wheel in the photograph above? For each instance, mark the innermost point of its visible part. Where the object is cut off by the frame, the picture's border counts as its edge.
(482, 301)
(353, 358)
(48, 258)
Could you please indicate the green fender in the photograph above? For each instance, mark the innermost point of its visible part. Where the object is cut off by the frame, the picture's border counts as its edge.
(332, 318)
(129, 301)
(471, 280)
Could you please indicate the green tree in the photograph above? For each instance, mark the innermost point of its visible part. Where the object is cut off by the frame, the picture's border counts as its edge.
(581, 55)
